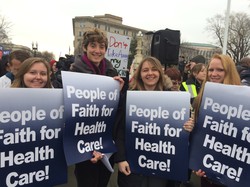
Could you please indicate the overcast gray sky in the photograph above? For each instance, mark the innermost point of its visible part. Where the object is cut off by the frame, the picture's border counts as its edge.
(49, 22)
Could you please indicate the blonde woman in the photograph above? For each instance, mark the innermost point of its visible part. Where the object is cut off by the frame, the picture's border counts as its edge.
(33, 73)
(221, 69)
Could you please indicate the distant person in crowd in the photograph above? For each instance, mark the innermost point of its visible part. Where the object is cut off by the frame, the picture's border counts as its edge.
(33, 73)
(221, 69)
(54, 81)
(4, 65)
(53, 65)
(181, 64)
(63, 64)
(175, 75)
(244, 70)
(195, 60)
(15, 60)
(149, 76)
(93, 173)
(193, 83)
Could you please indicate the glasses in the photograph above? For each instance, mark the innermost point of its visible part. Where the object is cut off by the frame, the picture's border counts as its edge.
(176, 82)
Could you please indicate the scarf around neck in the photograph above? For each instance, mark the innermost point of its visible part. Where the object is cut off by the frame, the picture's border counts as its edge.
(100, 70)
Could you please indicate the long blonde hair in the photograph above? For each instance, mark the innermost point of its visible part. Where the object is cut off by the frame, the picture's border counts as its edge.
(25, 67)
(231, 77)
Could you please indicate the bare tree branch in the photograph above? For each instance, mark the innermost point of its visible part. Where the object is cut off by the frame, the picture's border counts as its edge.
(5, 28)
(238, 45)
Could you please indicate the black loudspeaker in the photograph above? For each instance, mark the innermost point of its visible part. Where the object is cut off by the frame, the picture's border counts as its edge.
(165, 46)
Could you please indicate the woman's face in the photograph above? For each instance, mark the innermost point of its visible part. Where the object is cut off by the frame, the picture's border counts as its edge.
(201, 75)
(15, 66)
(150, 75)
(54, 67)
(176, 85)
(216, 71)
(96, 52)
(37, 76)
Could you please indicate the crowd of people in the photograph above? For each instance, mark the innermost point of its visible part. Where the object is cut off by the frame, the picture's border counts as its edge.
(21, 70)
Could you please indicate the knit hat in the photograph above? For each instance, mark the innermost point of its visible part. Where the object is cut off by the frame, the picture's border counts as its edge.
(198, 59)
(52, 62)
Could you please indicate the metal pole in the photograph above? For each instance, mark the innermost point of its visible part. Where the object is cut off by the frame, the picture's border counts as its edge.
(226, 27)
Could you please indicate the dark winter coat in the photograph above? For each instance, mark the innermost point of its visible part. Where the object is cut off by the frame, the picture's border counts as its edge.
(245, 76)
(80, 66)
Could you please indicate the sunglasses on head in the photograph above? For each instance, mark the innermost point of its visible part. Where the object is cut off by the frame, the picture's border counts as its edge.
(176, 82)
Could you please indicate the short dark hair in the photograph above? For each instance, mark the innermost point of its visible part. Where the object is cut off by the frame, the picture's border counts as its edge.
(20, 55)
(94, 35)
(198, 59)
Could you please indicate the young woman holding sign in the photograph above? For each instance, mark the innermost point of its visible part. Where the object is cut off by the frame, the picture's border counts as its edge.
(221, 69)
(93, 173)
(148, 76)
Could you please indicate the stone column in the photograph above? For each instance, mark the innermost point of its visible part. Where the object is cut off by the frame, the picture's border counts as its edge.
(138, 57)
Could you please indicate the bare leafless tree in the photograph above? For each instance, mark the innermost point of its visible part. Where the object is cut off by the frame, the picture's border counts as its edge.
(48, 55)
(238, 45)
(5, 28)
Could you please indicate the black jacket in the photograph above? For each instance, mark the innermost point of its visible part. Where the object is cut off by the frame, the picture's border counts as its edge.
(245, 76)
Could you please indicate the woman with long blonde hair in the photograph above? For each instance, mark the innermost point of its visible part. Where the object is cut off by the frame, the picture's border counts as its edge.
(34, 72)
(221, 69)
